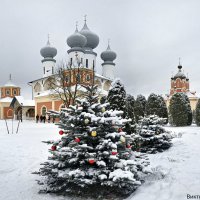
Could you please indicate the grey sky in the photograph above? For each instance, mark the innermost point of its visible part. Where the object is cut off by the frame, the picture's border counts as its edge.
(148, 36)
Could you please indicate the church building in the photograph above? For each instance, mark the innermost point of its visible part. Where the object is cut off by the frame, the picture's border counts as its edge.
(8, 91)
(181, 83)
(82, 61)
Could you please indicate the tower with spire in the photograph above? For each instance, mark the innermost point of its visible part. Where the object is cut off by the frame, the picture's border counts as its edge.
(48, 53)
(181, 83)
(9, 90)
(108, 56)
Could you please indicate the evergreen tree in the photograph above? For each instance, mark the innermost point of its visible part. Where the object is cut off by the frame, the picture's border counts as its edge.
(162, 110)
(129, 114)
(150, 136)
(93, 158)
(139, 107)
(197, 113)
(179, 110)
(190, 117)
(152, 106)
(117, 96)
(156, 106)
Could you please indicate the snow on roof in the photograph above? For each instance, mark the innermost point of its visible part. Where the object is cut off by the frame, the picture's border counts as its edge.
(6, 99)
(103, 77)
(25, 102)
(60, 90)
(10, 84)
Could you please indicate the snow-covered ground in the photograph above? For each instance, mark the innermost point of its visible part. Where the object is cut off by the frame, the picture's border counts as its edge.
(176, 171)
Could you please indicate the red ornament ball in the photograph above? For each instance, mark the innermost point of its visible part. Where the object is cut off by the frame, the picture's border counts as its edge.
(53, 148)
(91, 161)
(61, 132)
(114, 153)
(77, 140)
(120, 130)
(128, 146)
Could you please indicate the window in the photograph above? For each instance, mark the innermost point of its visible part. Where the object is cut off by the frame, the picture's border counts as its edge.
(52, 70)
(44, 110)
(14, 92)
(87, 77)
(78, 78)
(44, 70)
(86, 63)
(67, 78)
(81, 60)
(71, 61)
(93, 64)
(7, 92)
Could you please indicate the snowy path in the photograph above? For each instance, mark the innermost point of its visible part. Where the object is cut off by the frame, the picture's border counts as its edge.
(181, 166)
(22, 153)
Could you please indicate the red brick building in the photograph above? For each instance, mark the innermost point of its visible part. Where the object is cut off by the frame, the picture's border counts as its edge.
(8, 91)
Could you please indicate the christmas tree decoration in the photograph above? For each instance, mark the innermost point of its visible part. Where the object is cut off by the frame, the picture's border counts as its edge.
(77, 140)
(122, 139)
(91, 161)
(93, 133)
(61, 132)
(120, 130)
(87, 121)
(128, 146)
(81, 163)
(103, 110)
(53, 147)
(114, 152)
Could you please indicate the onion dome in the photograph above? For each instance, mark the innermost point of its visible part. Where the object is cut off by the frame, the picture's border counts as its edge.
(48, 51)
(76, 40)
(108, 55)
(9, 83)
(180, 74)
(92, 38)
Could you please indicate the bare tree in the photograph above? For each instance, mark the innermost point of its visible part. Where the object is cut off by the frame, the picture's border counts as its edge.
(65, 84)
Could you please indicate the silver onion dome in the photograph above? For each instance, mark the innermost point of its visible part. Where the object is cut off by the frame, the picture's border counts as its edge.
(92, 38)
(108, 55)
(76, 40)
(48, 51)
(180, 74)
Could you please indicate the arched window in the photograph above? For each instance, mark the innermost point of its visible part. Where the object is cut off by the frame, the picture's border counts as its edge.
(97, 82)
(9, 113)
(106, 85)
(37, 87)
(87, 77)
(49, 84)
(44, 110)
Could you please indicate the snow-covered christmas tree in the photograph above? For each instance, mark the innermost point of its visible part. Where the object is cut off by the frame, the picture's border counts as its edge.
(93, 157)
(150, 136)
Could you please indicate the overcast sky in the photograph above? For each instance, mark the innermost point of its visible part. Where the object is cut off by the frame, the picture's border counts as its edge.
(148, 36)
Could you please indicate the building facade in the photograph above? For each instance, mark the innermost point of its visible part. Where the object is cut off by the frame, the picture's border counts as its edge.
(80, 67)
(181, 83)
(8, 91)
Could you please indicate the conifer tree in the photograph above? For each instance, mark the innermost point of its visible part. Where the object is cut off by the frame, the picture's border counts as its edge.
(129, 114)
(117, 96)
(190, 116)
(197, 113)
(150, 136)
(179, 110)
(139, 107)
(152, 106)
(163, 113)
(93, 157)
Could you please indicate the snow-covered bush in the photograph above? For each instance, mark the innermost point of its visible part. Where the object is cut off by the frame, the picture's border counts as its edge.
(151, 137)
